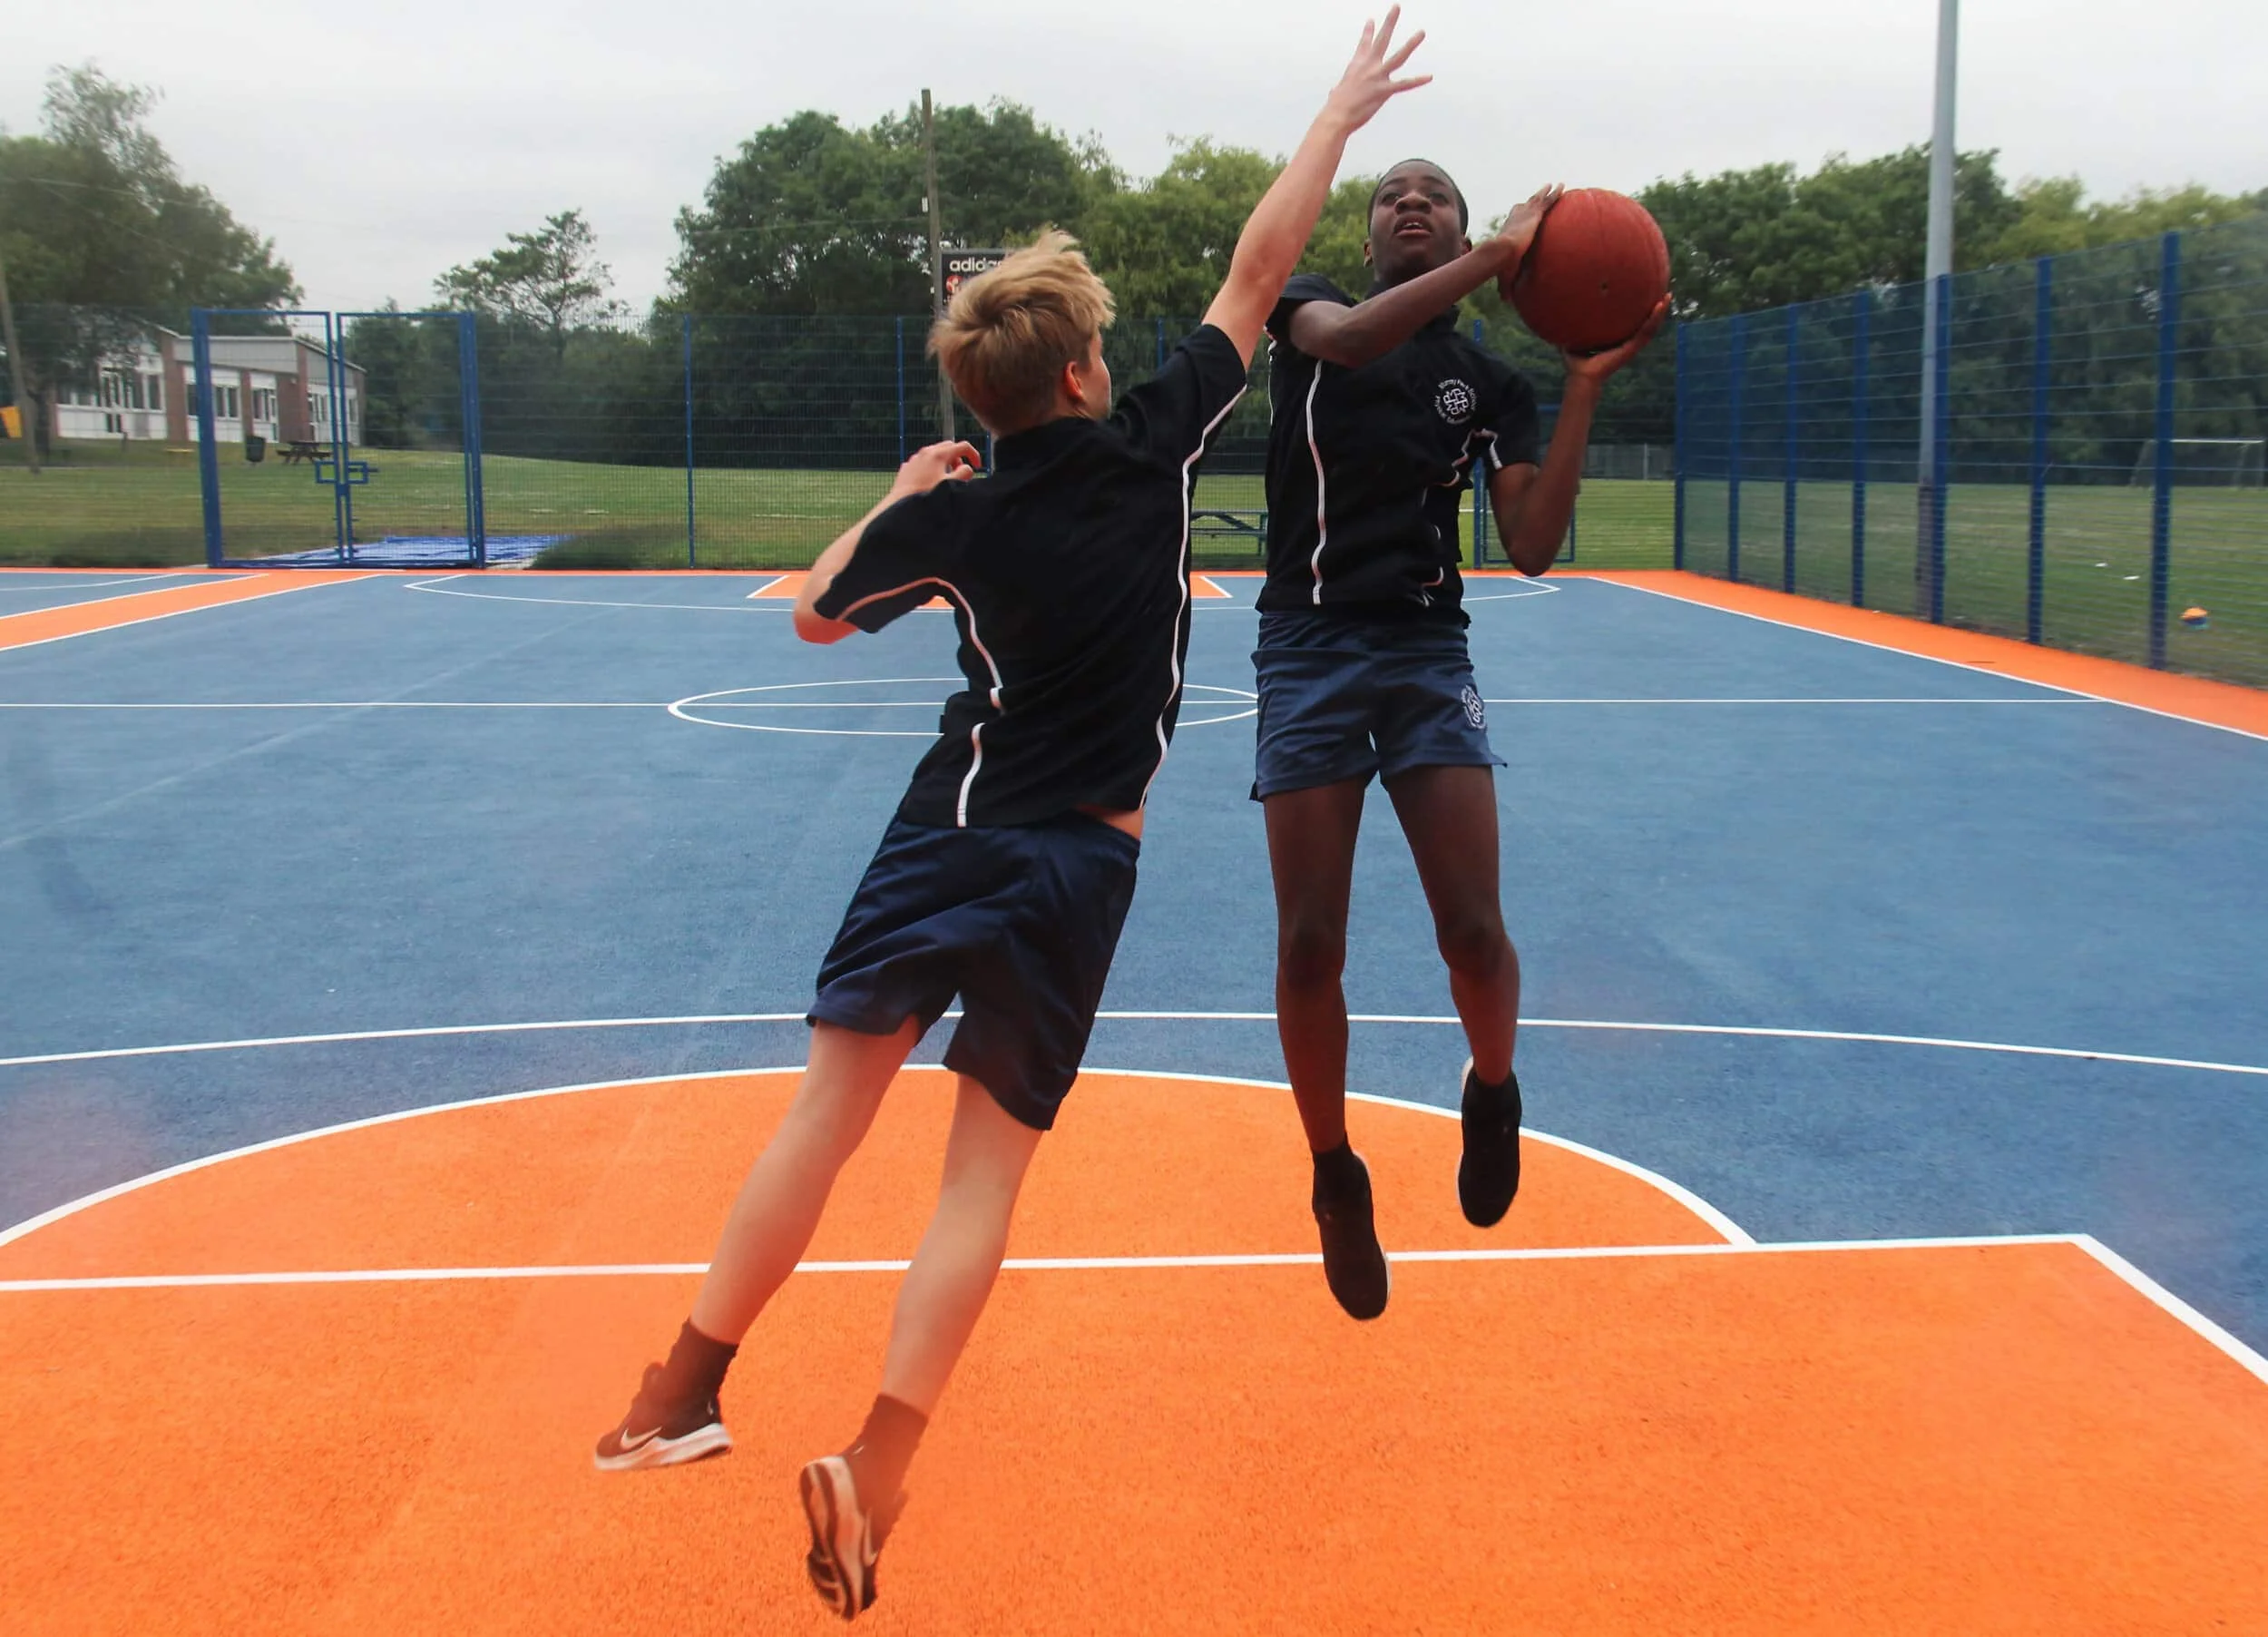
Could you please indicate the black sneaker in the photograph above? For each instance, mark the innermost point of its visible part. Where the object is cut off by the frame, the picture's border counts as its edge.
(1353, 1264)
(658, 1433)
(1488, 1176)
(846, 1535)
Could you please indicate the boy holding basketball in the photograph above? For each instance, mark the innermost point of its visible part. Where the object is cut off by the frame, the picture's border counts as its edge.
(1006, 875)
(1382, 412)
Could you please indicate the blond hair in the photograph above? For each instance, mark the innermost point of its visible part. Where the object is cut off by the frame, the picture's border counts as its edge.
(1005, 339)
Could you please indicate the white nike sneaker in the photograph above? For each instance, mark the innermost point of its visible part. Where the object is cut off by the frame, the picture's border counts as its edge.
(658, 1433)
(847, 1536)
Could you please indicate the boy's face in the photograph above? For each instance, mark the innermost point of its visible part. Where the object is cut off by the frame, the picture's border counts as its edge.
(1414, 224)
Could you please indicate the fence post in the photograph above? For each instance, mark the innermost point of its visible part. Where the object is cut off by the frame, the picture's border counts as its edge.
(208, 457)
(692, 553)
(468, 357)
(900, 358)
(1940, 390)
(2169, 312)
(2043, 337)
(1738, 377)
(1861, 348)
(1788, 456)
(1678, 461)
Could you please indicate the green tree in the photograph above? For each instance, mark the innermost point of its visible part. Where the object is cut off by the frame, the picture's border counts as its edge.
(100, 235)
(551, 280)
(813, 217)
(1743, 240)
(2055, 216)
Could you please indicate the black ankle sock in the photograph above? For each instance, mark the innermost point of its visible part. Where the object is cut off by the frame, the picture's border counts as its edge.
(697, 1365)
(884, 1449)
(1339, 1169)
(1510, 1083)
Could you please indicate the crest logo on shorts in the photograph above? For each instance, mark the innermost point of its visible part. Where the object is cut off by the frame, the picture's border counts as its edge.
(1476, 712)
(1456, 401)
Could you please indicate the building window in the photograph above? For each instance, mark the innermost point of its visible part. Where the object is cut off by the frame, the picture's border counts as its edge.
(263, 403)
(228, 403)
(154, 389)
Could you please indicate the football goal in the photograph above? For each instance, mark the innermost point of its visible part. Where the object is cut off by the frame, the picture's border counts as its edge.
(2230, 462)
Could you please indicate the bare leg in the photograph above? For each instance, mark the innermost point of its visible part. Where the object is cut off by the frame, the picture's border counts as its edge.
(1311, 851)
(1449, 815)
(779, 1208)
(952, 1272)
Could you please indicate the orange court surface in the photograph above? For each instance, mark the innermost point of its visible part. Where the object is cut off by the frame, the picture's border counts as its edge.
(348, 1382)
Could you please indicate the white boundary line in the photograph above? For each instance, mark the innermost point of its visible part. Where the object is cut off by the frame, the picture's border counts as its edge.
(2152, 1292)
(1791, 701)
(1015, 1264)
(671, 706)
(8, 647)
(1737, 1241)
(33, 590)
(1907, 653)
(767, 585)
(1738, 1030)
(1701, 1208)
(685, 709)
(347, 704)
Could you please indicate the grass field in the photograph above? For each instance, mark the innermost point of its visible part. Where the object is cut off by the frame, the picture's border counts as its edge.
(104, 506)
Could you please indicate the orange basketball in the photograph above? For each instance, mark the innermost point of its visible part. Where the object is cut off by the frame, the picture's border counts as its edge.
(1598, 268)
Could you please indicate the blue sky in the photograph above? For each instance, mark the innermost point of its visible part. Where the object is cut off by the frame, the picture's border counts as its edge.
(380, 144)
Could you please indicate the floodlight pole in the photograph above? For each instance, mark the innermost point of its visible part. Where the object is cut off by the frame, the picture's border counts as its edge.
(936, 257)
(17, 395)
(1936, 267)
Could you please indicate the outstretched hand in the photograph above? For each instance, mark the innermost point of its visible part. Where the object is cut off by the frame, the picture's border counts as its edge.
(1369, 81)
(935, 464)
(1599, 365)
(1518, 235)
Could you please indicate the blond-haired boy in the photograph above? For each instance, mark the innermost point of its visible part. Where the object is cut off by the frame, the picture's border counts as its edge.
(1005, 876)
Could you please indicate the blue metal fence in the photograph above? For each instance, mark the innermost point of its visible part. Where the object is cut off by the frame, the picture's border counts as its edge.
(2100, 427)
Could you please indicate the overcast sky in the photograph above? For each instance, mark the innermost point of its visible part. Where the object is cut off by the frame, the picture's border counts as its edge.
(380, 144)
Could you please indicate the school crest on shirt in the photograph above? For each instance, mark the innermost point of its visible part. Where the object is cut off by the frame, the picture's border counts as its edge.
(1476, 711)
(1456, 401)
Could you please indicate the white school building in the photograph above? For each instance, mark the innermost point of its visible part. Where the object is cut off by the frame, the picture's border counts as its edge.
(278, 387)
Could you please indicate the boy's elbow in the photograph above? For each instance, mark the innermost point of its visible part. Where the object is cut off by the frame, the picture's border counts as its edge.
(814, 627)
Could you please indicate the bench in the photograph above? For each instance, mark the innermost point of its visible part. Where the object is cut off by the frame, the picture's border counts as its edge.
(1232, 523)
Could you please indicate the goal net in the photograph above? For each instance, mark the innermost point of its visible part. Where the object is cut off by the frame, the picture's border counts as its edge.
(2228, 462)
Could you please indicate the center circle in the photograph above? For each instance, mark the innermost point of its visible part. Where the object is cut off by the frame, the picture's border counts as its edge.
(822, 708)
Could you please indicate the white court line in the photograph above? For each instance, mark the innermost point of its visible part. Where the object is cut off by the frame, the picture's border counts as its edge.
(8, 647)
(2245, 1357)
(704, 1019)
(1015, 1264)
(347, 704)
(878, 704)
(767, 585)
(1738, 1242)
(1701, 1208)
(1932, 659)
(1969, 700)
(193, 578)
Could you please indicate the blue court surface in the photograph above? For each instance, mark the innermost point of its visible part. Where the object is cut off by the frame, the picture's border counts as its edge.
(1852, 944)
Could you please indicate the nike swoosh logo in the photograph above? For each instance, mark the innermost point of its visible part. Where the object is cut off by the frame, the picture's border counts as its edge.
(640, 1442)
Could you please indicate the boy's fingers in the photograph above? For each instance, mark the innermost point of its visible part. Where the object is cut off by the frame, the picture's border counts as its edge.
(1412, 85)
(1402, 56)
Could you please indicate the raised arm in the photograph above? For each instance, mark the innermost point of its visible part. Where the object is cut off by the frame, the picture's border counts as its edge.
(1270, 246)
(1354, 336)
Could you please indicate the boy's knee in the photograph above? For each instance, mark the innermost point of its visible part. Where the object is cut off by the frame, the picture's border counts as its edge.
(1474, 944)
(1309, 952)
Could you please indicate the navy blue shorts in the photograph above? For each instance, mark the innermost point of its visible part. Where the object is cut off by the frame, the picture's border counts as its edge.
(1345, 699)
(1020, 921)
